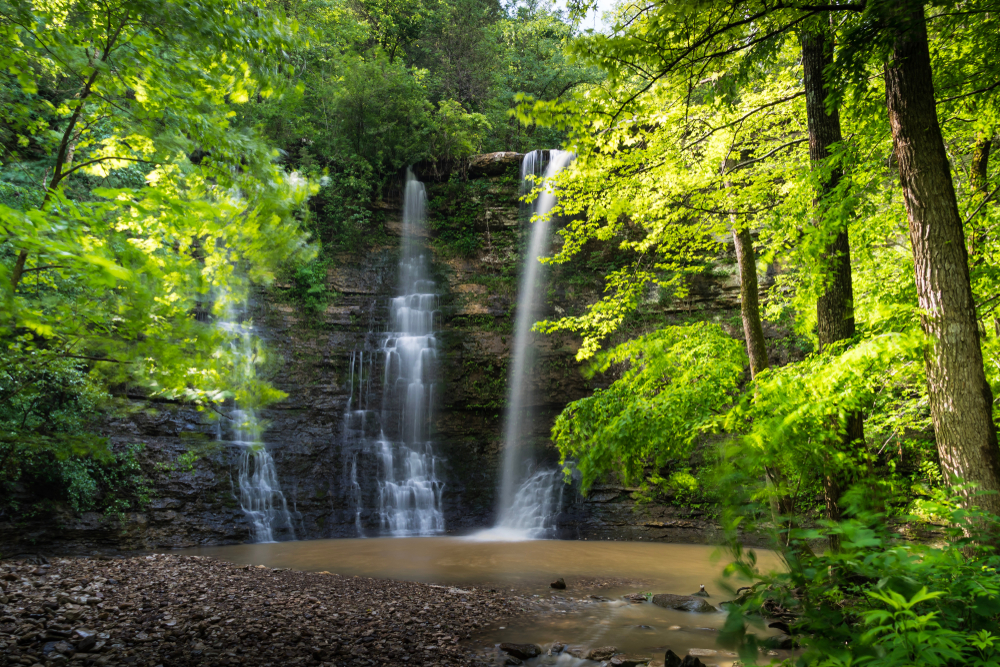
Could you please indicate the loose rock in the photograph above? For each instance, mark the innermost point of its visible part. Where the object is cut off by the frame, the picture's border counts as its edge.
(683, 603)
(559, 583)
(522, 651)
(602, 653)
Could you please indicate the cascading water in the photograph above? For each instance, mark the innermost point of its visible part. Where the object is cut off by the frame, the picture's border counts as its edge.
(529, 499)
(398, 433)
(260, 495)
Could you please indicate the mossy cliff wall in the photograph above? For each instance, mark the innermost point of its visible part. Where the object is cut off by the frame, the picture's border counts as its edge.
(476, 237)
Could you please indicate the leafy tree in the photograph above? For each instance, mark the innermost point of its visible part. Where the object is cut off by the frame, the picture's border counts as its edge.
(137, 211)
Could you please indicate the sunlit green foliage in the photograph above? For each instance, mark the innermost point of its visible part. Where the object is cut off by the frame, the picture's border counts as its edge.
(675, 382)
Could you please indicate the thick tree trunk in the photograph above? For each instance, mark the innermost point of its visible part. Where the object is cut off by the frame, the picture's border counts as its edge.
(960, 398)
(750, 300)
(835, 305)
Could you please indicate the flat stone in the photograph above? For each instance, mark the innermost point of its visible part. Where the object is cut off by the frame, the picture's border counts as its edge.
(684, 603)
(629, 660)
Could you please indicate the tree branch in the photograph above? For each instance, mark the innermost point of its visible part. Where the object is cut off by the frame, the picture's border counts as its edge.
(104, 159)
(769, 154)
(43, 268)
(969, 94)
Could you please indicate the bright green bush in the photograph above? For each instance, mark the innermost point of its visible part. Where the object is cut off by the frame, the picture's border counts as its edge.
(881, 600)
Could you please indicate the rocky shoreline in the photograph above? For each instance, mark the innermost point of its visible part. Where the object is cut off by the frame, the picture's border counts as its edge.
(190, 610)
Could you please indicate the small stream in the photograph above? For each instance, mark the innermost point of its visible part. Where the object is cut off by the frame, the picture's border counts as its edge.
(589, 613)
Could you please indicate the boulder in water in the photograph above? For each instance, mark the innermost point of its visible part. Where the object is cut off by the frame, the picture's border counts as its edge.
(521, 651)
(559, 583)
(702, 593)
(511, 660)
(602, 653)
(691, 661)
(781, 642)
(556, 648)
(629, 661)
(635, 597)
(683, 603)
(671, 659)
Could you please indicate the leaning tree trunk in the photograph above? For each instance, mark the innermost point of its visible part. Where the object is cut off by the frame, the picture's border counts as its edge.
(749, 289)
(835, 305)
(750, 300)
(960, 398)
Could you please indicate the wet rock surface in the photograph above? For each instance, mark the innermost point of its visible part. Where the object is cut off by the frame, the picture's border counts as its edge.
(188, 610)
(521, 651)
(684, 603)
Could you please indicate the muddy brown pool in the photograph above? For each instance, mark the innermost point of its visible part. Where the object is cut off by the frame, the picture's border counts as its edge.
(590, 612)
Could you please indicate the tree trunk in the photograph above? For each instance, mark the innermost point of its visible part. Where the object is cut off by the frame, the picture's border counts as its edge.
(750, 300)
(960, 398)
(781, 504)
(835, 305)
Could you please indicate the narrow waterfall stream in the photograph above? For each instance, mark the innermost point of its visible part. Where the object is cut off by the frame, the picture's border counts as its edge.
(260, 495)
(397, 433)
(528, 497)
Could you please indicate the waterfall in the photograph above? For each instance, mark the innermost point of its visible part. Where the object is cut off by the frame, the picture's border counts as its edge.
(528, 498)
(260, 495)
(397, 434)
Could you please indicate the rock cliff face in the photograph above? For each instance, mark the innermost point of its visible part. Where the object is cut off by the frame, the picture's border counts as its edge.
(476, 234)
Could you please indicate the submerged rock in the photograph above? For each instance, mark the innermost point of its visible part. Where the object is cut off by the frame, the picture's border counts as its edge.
(522, 651)
(635, 597)
(683, 603)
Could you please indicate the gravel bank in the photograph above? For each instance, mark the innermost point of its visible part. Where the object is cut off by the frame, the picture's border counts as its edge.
(188, 610)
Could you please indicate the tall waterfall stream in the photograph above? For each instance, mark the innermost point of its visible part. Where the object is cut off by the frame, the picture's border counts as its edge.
(529, 498)
(397, 432)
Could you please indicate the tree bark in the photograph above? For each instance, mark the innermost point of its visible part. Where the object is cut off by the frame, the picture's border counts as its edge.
(960, 398)
(835, 304)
